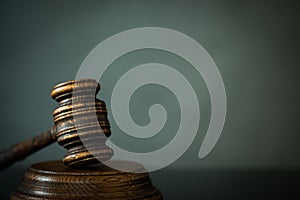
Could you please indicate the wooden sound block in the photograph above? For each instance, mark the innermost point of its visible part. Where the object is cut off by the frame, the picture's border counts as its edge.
(54, 180)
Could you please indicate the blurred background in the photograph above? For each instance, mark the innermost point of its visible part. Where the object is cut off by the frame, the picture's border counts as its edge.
(255, 45)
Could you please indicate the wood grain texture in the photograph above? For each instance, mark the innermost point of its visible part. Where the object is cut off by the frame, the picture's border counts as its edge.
(21, 150)
(54, 180)
(81, 122)
(80, 117)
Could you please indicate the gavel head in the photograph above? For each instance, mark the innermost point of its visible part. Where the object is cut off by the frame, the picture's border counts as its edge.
(81, 123)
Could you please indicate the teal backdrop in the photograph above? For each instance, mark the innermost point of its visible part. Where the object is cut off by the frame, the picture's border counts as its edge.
(255, 45)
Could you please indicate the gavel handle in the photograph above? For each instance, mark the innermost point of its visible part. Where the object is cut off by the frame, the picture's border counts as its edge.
(21, 150)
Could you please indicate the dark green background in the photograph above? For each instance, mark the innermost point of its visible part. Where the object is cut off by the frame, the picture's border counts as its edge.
(255, 45)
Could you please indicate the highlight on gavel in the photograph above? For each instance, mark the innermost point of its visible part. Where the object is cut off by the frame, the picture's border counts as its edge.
(77, 107)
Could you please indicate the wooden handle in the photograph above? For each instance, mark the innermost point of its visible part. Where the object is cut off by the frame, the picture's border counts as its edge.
(21, 150)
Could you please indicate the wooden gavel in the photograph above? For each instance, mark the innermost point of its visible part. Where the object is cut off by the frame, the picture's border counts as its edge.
(73, 118)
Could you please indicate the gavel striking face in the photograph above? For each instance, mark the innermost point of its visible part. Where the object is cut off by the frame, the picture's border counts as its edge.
(75, 127)
(77, 101)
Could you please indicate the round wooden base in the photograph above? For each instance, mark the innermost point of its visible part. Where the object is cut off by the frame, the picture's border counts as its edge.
(53, 180)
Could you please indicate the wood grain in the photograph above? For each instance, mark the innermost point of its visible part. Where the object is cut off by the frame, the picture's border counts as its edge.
(81, 122)
(80, 117)
(54, 180)
(21, 150)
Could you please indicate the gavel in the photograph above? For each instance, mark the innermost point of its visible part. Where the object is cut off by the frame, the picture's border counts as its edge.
(73, 118)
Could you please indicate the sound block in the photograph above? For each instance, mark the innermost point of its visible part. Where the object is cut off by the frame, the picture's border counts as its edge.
(54, 180)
